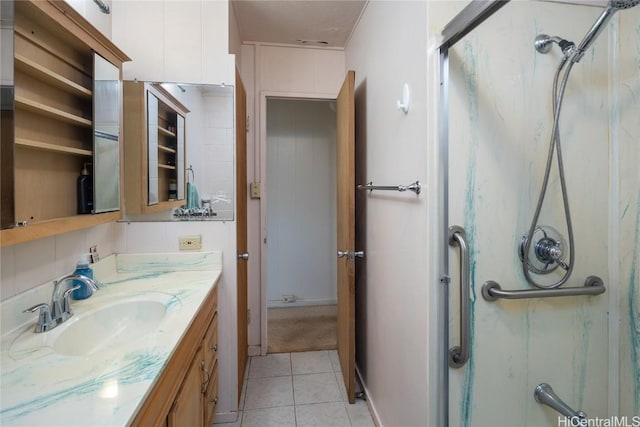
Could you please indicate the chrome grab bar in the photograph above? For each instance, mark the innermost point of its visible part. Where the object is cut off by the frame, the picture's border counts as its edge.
(416, 187)
(544, 395)
(492, 291)
(459, 355)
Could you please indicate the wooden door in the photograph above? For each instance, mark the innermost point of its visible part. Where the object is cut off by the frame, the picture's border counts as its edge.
(241, 226)
(345, 161)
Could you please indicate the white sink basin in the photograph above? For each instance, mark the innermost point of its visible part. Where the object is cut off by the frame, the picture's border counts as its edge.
(101, 325)
(111, 325)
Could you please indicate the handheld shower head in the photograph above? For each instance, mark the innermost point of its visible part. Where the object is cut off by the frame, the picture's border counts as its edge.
(601, 23)
(623, 4)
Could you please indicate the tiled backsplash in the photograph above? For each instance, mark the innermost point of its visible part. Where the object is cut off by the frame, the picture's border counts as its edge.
(30, 264)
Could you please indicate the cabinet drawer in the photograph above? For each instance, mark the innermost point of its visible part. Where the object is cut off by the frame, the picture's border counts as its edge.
(210, 343)
(211, 397)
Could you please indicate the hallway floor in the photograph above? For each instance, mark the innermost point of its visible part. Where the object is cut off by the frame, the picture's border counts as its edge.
(298, 389)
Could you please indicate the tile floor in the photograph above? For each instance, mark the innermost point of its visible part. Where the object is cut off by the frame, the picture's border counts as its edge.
(298, 389)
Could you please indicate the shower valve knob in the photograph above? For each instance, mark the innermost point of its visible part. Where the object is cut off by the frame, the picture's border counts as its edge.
(546, 250)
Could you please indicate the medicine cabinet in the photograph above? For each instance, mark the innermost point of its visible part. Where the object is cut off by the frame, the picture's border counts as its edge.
(154, 148)
(209, 148)
(66, 113)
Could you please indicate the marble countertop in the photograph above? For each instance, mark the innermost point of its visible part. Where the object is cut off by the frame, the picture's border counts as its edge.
(106, 385)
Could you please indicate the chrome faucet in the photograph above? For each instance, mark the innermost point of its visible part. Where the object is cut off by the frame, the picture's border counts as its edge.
(59, 310)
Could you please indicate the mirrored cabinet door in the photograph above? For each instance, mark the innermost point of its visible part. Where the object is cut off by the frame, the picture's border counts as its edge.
(152, 149)
(107, 108)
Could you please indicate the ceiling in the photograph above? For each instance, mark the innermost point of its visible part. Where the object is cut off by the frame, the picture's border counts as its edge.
(301, 22)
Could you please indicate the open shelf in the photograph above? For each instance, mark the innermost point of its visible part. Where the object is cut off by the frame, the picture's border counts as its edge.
(166, 132)
(48, 111)
(44, 146)
(166, 149)
(42, 73)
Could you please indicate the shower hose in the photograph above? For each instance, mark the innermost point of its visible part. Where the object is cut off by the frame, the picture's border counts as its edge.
(558, 96)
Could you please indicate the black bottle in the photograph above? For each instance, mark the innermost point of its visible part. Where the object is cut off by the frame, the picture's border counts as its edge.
(84, 189)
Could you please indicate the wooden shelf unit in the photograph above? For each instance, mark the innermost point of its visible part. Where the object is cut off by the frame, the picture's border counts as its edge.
(168, 136)
(53, 128)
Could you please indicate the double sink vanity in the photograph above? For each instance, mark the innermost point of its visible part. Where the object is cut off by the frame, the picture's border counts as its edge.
(142, 350)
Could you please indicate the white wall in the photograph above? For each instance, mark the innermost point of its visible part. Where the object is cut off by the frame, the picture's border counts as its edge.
(301, 207)
(388, 49)
(174, 41)
(27, 265)
(90, 10)
(276, 71)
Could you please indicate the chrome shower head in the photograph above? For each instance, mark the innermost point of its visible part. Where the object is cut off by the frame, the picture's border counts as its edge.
(623, 4)
(600, 24)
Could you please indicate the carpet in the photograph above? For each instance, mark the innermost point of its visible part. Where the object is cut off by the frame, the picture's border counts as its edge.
(305, 328)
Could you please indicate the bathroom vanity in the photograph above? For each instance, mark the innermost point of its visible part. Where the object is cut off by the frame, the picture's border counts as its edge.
(141, 351)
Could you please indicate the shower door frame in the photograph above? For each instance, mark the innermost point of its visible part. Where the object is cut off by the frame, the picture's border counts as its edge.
(462, 24)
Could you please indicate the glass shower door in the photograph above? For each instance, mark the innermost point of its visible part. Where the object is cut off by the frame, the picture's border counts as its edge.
(500, 122)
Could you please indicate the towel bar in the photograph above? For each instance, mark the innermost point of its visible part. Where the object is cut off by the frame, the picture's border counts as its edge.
(414, 186)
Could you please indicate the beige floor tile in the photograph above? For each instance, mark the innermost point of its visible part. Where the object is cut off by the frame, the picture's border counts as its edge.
(316, 388)
(268, 392)
(283, 416)
(271, 365)
(322, 415)
(311, 362)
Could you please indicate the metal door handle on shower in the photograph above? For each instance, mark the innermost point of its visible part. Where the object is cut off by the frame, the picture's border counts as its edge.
(459, 355)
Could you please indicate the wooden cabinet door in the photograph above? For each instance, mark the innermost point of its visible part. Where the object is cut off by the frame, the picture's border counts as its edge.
(211, 397)
(188, 407)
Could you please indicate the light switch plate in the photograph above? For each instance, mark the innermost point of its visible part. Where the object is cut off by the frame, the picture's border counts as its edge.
(254, 190)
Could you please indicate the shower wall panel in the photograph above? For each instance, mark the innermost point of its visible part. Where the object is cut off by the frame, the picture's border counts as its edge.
(627, 118)
(500, 122)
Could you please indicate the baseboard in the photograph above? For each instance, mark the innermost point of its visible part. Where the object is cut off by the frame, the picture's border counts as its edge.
(226, 417)
(301, 303)
(370, 403)
(254, 350)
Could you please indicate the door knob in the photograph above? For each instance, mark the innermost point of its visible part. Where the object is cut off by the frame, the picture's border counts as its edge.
(244, 256)
(351, 255)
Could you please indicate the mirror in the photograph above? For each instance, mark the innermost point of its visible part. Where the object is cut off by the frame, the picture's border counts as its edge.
(7, 218)
(208, 141)
(107, 106)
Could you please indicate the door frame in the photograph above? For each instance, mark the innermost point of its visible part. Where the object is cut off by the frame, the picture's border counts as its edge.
(462, 24)
(262, 114)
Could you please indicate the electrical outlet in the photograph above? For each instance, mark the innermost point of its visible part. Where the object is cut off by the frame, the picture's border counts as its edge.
(190, 243)
(254, 190)
(289, 298)
(93, 252)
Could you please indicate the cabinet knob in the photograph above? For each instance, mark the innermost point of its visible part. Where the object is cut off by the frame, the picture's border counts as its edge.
(215, 400)
(214, 347)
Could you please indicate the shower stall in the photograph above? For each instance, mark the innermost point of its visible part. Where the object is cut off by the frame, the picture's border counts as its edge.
(539, 185)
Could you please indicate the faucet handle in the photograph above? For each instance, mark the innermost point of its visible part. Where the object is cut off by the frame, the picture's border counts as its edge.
(66, 306)
(45, 322)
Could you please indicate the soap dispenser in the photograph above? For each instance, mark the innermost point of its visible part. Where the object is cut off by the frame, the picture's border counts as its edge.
(84, 190)
(82, 268)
